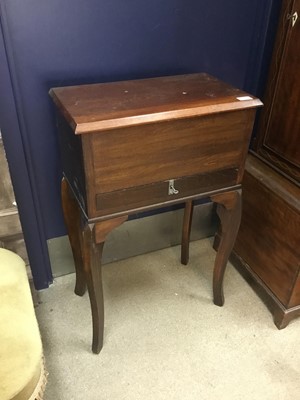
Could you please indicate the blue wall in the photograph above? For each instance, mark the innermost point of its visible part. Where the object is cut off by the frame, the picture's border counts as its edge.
(63, 42)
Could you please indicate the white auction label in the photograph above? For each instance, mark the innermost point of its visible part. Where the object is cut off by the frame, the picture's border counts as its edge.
(243, 98)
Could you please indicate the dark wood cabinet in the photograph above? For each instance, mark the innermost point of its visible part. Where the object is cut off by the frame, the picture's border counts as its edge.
(278, 139)
(268, 243)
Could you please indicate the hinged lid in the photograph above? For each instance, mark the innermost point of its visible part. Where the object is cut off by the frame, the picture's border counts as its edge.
(103, 106)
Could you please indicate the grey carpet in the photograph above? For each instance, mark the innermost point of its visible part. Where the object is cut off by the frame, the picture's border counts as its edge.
(165, 339)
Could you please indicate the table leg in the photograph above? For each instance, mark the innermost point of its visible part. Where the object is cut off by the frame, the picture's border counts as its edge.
(186, 231)
(229, 212)
(73, 219)
(92, 253)
(94, 236)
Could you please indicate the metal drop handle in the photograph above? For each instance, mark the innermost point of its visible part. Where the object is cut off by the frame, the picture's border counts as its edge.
(172, 189)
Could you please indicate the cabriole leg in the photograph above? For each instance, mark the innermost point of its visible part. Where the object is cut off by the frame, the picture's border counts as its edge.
(229, 212)
(94, 236)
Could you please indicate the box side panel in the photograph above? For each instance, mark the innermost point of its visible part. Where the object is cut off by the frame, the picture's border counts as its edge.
(72, 161)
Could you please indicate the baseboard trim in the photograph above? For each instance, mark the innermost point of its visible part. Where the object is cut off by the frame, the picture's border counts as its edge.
(138, 236)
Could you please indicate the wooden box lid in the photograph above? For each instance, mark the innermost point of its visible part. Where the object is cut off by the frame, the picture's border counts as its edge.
(103, 106)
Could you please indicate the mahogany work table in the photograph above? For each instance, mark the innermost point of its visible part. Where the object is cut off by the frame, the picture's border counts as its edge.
(136, 145)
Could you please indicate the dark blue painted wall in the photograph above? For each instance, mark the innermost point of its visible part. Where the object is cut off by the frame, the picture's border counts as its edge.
(62, 42)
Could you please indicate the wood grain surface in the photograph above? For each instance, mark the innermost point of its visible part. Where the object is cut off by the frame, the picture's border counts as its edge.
(103, 106)
(268, 240)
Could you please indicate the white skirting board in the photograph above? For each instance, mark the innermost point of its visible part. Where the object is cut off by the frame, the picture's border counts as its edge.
(138, 236)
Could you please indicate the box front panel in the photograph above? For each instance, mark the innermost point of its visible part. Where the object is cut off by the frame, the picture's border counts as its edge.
(130, 157)
(131, 169)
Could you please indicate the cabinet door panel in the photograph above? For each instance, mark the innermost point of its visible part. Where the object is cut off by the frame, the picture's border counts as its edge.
(283, 135)
(278, 136)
